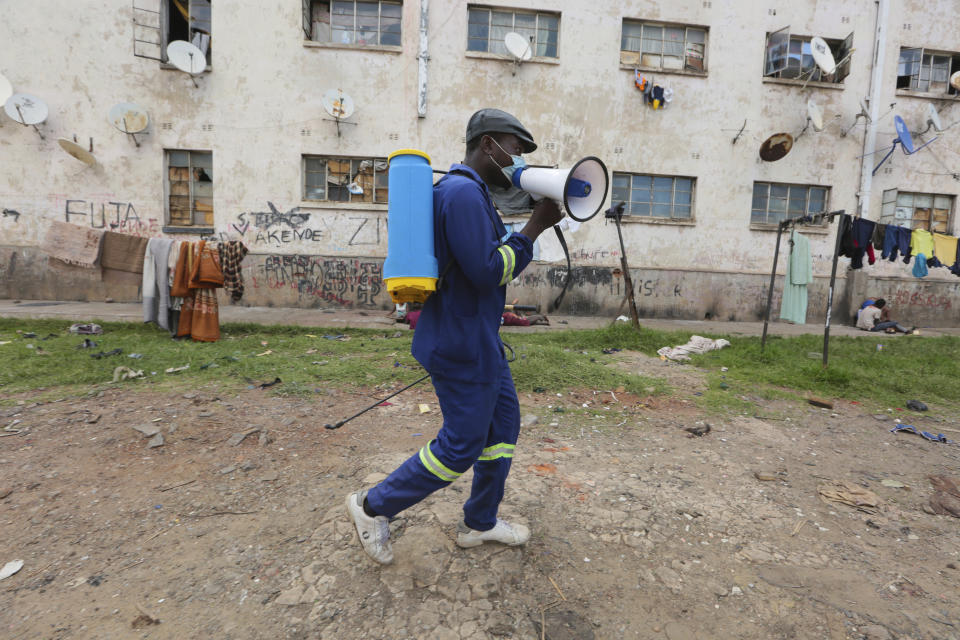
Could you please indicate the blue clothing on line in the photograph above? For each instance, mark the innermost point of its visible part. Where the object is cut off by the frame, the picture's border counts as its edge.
(896, 239)
(920, 266)
(862, 231)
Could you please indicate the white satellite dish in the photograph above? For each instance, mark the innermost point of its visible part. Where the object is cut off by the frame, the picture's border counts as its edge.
(820, 51)
(338, 106)
(187, 57)
(27, 110)
(129, 118)
(6, 89)
(933, 118)
(955, 81)
(815, 115)
(77, 151)
(518, 46)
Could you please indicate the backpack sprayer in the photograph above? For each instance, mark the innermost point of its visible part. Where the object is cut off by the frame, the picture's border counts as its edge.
(411, 271)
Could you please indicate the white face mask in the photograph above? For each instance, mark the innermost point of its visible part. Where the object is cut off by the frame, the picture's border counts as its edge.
(509, 170)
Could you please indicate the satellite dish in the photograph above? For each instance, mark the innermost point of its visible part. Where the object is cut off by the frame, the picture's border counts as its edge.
(815, 114)
(337, 104)
(822, 55)
(186, 57)
(903, 135)
(6, 89)
(128, 117)
(955, 81)
(518, 46)
(776, 146)
(77, 151)
(26, 109)
(904, 139)
(933, 118)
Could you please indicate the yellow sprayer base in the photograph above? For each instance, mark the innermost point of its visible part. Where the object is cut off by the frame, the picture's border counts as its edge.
(404, 290)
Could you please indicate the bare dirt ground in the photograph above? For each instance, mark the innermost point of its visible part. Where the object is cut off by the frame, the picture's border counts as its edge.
(639, 529)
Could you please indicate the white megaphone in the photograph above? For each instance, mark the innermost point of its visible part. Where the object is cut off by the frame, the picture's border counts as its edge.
(582, 189)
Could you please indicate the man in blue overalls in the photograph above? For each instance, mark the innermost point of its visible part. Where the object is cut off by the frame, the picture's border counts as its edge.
(457, 340)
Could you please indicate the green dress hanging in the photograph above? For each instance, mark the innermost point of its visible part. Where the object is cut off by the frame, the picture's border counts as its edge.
(793, 307)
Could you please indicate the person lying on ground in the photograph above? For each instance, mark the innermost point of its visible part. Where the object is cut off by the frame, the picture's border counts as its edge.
(876, 317)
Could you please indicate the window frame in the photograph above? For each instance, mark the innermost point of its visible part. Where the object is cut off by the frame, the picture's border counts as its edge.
(194, 226)
(513, 13)
(953, 65)
(350, 201)
(626, 63)
(649, 217)
(307, 25)
(890, 205)
(165, 19)
(767, 223)
(839, 48)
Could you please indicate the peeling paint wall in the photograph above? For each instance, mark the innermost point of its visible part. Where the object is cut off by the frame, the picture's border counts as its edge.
(258, 110)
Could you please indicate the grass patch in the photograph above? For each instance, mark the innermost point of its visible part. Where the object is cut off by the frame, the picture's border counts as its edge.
(925, 368)
(301, 357)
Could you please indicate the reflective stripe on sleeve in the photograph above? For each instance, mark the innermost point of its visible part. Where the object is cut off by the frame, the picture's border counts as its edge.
(436, 467)
(501, 450)
(509, 263)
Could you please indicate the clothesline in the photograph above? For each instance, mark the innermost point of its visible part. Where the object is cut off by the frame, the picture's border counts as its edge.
(861, 237)
(802, 221)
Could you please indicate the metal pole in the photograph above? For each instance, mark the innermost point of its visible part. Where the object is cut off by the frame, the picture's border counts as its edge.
(833, 279)
(773, 279)
(627, 280)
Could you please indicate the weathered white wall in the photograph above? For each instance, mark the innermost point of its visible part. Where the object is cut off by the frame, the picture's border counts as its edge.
(259, 110)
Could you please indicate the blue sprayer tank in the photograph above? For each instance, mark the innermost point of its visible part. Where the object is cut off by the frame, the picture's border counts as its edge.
(410, 270)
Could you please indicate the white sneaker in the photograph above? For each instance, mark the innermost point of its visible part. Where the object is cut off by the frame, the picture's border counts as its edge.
(374, 533)
(511, 535)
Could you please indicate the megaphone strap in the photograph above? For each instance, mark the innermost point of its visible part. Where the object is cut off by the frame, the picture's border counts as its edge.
(566, 281)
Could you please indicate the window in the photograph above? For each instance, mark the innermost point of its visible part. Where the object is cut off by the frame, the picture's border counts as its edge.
(661, 46)
(190, 188)
(649, 196)
(790, 56)
(916, 210)
(487, 27)
(345, 179)
(926, 71)
(375, 22)
(189, 20)
(774, 202)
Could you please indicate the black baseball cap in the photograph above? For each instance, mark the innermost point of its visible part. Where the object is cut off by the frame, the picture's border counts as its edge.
(497, 121)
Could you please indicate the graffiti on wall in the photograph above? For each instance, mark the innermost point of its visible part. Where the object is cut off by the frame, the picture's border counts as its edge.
(12, 213)
(275, 228)
(117, 216)
(349, 283)
(905, 298)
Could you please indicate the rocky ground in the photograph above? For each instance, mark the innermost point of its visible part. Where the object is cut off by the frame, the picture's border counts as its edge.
(640, 529)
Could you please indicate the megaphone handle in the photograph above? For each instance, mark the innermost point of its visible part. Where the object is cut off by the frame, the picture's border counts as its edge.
(566, 282)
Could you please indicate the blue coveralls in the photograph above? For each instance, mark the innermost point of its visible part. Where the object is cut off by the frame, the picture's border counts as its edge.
(457, 340)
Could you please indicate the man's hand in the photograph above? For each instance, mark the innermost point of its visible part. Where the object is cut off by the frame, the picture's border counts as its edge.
(546, 213)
